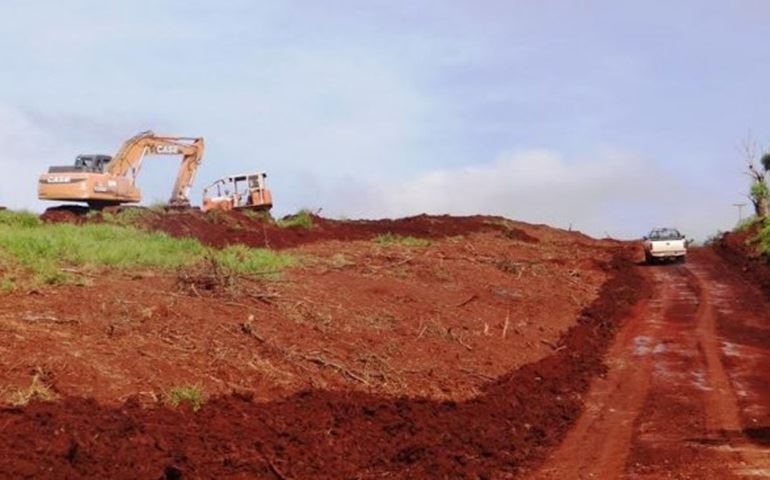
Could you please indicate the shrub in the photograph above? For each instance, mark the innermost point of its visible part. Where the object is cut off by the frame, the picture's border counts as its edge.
(190, 394)
(747, 223)
(301, 219)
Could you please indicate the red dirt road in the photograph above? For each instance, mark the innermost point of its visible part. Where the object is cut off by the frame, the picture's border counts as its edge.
(688, 389)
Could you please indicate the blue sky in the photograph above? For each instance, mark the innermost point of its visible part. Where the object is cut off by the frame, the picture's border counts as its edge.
(609, 116)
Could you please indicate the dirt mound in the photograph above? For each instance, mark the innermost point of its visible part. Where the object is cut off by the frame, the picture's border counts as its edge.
(328, 434)
(740, 250)
(65, 214)
(229, 228)
(220, 229)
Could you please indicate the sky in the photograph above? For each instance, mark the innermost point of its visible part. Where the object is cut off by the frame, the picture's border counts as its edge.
(607, 117)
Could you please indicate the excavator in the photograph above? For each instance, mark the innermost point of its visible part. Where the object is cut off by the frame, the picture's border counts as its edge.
(103, 181)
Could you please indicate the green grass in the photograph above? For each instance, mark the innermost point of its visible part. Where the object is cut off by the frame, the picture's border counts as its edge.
(746, 224)
(301, 219)
(251, 261)
(392, 239)
(19, 219)
(129, 217)
(763, 238)
(45, 249)
(190, 394)
(258, 214)
(7, 283)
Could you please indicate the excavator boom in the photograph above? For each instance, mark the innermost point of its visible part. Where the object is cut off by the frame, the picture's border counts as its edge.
(100, 181)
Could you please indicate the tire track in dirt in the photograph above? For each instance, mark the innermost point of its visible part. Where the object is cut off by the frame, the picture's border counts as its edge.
(598, 445)
(723, 414)
(668, 407)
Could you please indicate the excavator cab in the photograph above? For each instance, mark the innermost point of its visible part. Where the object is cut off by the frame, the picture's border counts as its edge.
(84, 163)
(238, 192)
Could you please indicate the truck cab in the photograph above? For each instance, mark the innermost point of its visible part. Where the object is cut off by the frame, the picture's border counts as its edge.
(665, 244)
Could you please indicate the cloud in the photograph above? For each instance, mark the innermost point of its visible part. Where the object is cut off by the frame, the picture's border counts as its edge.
(611, 193)
(32, 141)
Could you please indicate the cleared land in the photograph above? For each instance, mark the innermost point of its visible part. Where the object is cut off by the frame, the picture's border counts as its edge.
(153, 344)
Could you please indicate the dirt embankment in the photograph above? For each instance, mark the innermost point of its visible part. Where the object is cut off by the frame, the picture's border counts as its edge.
(740, 250)
(329, 434)
(220, 229)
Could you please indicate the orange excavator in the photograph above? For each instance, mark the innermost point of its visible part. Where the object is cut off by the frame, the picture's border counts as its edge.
(104, 181)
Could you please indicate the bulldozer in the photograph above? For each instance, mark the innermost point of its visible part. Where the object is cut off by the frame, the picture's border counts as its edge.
(238, 192)
(104, 181)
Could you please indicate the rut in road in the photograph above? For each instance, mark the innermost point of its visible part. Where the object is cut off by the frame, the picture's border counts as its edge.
(686, 395)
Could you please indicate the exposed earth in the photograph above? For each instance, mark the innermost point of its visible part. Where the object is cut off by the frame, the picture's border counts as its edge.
(490, 349)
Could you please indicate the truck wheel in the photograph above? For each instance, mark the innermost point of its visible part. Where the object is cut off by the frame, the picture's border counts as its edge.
(649, 259)
(682, 259)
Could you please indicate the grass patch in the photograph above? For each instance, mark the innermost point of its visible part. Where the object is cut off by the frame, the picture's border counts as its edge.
(7, 283)
(301, 219)
(189, 394)
(392, 239)
(747, 223)
(763, 238)
(257, 214)
(252, 261)
(128, 217)
(45, 249)
(22, 219)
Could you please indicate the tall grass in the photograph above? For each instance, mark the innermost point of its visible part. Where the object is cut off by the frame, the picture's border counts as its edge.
(44, 249)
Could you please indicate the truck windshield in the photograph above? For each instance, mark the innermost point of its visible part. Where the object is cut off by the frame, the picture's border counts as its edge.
(665, 234)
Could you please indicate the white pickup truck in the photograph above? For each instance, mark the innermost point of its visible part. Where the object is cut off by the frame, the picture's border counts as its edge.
(665, 244)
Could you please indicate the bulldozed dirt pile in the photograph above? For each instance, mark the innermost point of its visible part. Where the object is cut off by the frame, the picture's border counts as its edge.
(465, 356)
(220, 229)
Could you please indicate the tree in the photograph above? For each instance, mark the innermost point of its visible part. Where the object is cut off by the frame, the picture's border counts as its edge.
(759, 193)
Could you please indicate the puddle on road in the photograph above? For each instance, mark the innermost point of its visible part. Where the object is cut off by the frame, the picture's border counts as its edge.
(700, 382)
(730, 349)
(642, 345)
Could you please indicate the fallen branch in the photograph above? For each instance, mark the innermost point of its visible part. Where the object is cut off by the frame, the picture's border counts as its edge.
(505, 326)
(459, 340)
(477, 374)
(554, 347)
(319, 360)
(467, 301)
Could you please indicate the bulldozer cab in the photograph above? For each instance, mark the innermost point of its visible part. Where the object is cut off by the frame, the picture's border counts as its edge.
(237, 192)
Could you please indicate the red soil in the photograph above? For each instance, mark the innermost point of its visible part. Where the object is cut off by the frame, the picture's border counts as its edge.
(219, 229)
(467, 358)
(327, 434)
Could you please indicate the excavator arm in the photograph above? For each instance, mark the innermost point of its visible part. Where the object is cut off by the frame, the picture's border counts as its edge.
(128, 161)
